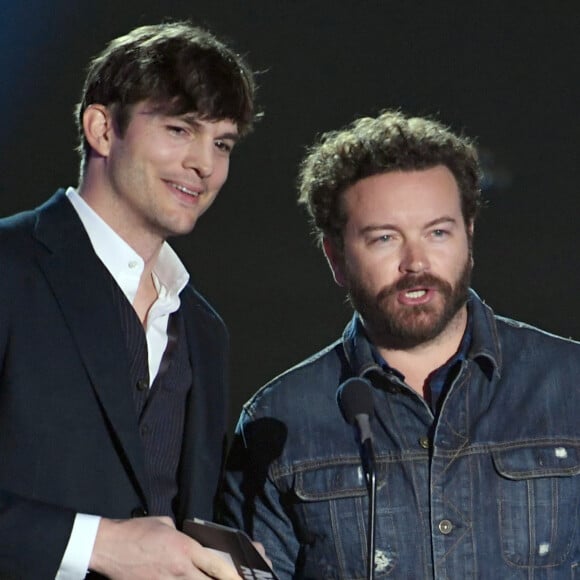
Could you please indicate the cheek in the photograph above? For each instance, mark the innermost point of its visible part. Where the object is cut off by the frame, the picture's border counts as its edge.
(373, 271)
(218, 177)
(164, 155)
(222, 172)
(451, 264)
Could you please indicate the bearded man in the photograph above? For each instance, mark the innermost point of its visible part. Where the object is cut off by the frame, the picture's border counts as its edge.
(476, 436)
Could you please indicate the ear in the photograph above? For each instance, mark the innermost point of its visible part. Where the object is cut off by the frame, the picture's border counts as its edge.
(470, 228)
(335, 259)
(98, 128)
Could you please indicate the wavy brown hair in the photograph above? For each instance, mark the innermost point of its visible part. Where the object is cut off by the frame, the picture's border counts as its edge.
(368, 146)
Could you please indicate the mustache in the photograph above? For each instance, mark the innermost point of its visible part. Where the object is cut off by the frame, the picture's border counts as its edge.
(414, 281)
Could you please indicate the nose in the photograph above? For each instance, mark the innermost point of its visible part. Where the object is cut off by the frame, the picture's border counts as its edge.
(414, 259)
(200, 157)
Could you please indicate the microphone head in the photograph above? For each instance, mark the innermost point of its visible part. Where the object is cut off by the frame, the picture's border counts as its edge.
(354, 398)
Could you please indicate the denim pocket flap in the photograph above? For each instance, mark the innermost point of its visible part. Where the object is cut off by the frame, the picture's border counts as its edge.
(555, 459)
(330, 482)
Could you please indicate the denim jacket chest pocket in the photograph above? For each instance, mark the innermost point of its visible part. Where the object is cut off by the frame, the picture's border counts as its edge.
(538, 502)
(332, 509)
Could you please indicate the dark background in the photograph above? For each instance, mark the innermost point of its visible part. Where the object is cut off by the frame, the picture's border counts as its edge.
(504, 72)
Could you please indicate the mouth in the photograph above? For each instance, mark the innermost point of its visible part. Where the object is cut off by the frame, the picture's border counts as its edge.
(192, 192)
(416, 296)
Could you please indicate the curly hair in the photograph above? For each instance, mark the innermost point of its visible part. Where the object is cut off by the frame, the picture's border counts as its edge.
(179, 67)
(368, 146)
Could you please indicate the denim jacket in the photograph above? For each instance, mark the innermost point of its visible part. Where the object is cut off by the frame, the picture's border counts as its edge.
(489, 488)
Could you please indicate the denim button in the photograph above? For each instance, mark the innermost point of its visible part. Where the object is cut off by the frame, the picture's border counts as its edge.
(445, 527)
(424, 442)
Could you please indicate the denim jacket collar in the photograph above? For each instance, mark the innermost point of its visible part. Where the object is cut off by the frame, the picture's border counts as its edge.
(485, 348)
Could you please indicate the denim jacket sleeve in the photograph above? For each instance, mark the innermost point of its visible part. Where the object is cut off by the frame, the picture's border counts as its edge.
(253, 500)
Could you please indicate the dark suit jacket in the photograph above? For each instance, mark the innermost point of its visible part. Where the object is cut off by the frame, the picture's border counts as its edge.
(68, 428)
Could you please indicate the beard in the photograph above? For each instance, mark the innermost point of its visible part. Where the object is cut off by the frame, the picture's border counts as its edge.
(395, 326)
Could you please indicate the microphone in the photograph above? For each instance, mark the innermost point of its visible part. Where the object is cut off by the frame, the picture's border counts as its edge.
(355, 400)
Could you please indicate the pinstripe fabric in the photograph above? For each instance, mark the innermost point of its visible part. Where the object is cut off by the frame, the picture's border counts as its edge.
(160, 410)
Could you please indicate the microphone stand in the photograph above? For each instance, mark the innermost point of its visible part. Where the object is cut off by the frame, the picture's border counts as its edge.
(355, 400)
(371, 477)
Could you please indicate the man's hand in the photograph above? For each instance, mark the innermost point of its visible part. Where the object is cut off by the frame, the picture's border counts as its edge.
(262, 551)
(151, 548)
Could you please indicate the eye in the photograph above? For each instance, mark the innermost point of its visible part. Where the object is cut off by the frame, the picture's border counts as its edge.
(177, 130)
(224, 146)
(382, 239)
(440, 233)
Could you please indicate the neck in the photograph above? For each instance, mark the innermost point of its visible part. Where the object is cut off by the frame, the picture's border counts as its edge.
(109, 208)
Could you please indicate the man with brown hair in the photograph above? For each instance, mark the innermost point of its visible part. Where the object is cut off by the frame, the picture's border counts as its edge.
(113, 380)
(473, 416)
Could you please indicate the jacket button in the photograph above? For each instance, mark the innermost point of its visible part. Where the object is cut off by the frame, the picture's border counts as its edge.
(142, 384)
(424, 442)
(445, 527)
(138, 512)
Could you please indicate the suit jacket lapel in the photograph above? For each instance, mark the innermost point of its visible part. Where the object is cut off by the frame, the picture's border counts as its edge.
(82, 289)
(204, 442)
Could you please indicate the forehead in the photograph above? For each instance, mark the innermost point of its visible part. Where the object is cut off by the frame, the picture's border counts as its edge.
(403, 196)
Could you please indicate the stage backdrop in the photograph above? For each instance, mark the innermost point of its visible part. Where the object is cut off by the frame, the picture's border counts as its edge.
(504, 72)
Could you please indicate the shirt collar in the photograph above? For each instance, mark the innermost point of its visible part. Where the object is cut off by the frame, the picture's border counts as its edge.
(460, 354)
(124, 264)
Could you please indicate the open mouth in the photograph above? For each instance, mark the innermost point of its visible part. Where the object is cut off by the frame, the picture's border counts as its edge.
(414, 294)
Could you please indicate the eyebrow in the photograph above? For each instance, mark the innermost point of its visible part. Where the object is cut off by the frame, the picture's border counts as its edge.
(235, 137)
(442, 220)
(194, 121)
(437, 221)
